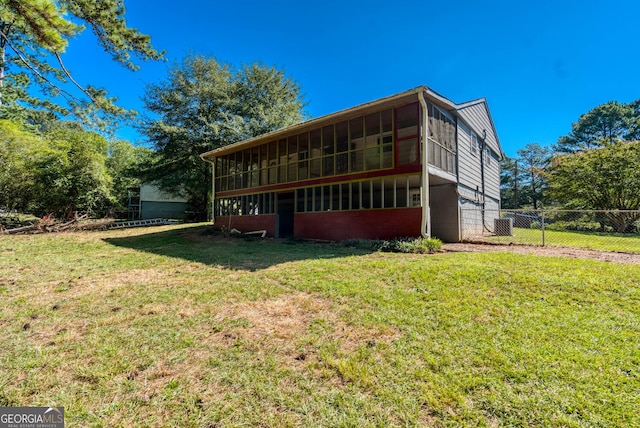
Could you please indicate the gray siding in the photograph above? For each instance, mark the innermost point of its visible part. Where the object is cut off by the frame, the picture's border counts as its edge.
(468, 162)
(169, 210)
(492, 175)
(469, 193)
(475, 118)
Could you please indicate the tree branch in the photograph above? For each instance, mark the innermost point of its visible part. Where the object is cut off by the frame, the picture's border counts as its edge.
(33, 69)
(71, 78)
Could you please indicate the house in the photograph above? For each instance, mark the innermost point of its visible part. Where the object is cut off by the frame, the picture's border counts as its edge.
(148, 202)
(364, 172)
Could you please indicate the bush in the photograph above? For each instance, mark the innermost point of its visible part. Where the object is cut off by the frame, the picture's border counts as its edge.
(364, 244)
(413, 245)
(580, 226)
(399, 245)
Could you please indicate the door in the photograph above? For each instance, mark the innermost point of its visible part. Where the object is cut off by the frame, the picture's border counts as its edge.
(285, 209)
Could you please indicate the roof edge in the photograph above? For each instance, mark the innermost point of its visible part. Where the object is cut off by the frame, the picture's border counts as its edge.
(310, 122)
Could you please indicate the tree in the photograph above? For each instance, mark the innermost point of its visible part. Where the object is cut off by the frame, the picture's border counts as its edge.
(510, 182)
(19, 149)
(603, 124)
(522, 181)
(71, 174)
(606, 178)
(33, 36)
(533, 159)
(59, 172)
(123, 165)
(203, 105)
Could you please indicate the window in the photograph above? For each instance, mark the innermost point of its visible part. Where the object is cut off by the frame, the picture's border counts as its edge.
(316, 143)
(487, 156)
(300, 199)
(328, 151)
(255, 204)
(264, 165)
(273, 162)
(335, 197)
(360, 144)
(474, 144)
(408, 151)
(390, 192)
(407, 122)
(282, 161)
(372, 130)
(292, 158)
(415, 198)
(303, 156)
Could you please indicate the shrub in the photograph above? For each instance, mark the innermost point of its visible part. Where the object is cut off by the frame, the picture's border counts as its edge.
(399, 245)
(412, 245)
(581, 226)
(364, 244)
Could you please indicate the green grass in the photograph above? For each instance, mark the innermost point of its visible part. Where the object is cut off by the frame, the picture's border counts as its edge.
(629, 243)
(173, 326)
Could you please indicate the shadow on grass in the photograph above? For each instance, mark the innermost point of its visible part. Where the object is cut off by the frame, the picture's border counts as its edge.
(202, 244)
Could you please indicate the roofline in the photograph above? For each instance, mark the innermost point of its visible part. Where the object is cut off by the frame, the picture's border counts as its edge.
(430, 93)
(493, 126)
(311, 122)
(444, 100)
(471, 103)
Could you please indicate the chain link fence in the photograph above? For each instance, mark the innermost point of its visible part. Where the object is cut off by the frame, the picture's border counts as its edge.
(613, 230)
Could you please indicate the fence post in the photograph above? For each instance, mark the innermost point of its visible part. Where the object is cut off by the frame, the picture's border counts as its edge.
(542, 225)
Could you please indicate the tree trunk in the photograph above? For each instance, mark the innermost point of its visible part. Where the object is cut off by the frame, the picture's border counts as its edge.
(3, 51)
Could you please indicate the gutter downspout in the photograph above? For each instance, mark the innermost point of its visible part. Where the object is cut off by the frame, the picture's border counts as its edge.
(482, 154)
(213, 187)
(425, 226)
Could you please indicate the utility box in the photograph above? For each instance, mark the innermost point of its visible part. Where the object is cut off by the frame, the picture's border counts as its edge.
(503, 226)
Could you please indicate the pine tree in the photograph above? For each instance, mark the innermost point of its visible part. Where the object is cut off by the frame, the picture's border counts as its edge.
(33, 36)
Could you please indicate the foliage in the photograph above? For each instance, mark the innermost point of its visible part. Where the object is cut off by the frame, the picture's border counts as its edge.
(522, 179)
(412, 245)
(587, 221)
(168, 327)
(602, 125)
(61, 171)
(19, 150)
(533, 159)
(33, 36)
(71, 175)
(509, 182)
(607, 178)
(577, 225)
(204, 104)
(399, 245)
(124, 164)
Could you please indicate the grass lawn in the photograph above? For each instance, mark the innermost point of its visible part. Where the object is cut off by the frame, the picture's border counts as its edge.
(629, 243)
(172, 326)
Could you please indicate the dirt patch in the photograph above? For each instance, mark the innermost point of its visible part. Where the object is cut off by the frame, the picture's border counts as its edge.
(275, 326)
(574, 253)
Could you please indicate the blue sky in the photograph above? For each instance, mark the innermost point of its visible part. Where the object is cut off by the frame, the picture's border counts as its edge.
(540, 64)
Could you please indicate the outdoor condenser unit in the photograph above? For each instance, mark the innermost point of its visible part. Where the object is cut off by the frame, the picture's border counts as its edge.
(503, 226)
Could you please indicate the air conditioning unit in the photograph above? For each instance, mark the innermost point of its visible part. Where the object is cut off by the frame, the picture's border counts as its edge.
(503, 226)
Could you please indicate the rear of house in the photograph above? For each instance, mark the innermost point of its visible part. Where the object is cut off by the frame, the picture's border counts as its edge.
(406, 165)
